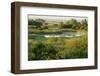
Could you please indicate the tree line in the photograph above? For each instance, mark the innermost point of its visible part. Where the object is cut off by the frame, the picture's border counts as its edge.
(72, 24)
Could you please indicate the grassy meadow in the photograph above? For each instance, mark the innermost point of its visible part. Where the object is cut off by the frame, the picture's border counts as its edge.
(50, 38)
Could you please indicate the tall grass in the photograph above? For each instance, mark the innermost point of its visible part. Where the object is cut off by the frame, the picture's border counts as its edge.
(58, 48)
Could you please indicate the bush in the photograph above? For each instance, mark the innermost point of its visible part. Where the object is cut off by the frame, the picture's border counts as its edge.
(42, 51)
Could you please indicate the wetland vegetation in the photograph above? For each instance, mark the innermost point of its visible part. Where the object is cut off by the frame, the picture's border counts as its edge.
(50, 38)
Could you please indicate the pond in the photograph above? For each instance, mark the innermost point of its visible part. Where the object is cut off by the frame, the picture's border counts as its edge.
(57, 34)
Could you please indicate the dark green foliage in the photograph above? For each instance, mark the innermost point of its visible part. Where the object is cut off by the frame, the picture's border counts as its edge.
(68, 26)
(84, 24)
(72, 23)
(42, 51)
(37, 22)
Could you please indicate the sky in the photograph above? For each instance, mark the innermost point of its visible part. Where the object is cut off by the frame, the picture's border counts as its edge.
(55, 17)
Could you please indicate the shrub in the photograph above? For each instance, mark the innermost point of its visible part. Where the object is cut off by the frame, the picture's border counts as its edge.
(42, 51)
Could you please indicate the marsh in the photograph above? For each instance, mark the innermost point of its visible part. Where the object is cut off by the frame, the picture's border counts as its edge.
(57, 37)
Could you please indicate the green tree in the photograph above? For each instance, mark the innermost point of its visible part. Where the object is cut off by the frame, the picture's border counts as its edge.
(84, 24)
(37, 22)
(73, 23)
